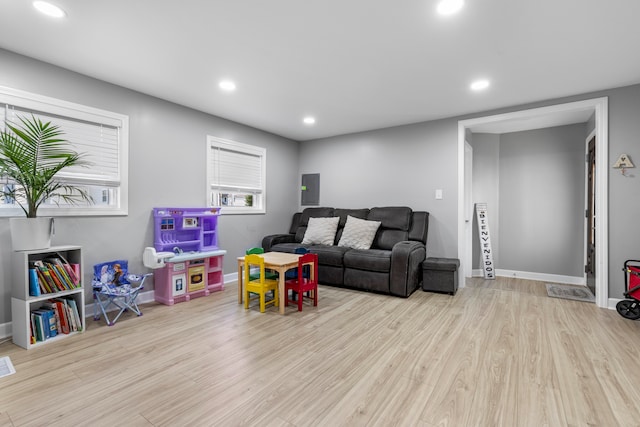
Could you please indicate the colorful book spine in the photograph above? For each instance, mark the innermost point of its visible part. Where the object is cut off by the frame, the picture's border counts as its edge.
(73, 308)
(40, 326)
(62, 313)
(44, 286)
(47, 276)
(34, 284)
(59, 283)
(73, 270)
(53, 307)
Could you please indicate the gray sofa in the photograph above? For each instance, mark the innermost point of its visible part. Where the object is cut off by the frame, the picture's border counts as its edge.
(393, 263)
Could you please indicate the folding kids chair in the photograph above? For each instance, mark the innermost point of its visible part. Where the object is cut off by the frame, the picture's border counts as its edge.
(113, 285)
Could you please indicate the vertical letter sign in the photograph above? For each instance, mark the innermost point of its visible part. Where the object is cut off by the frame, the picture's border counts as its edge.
(485, 241)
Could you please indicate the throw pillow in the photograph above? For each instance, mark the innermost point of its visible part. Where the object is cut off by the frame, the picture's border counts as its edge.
(321, 231)
(358, 233)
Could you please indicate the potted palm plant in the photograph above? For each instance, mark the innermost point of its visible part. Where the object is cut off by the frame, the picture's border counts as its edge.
(31, 154)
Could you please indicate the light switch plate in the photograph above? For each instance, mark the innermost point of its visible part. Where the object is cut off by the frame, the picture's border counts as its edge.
(439, 194)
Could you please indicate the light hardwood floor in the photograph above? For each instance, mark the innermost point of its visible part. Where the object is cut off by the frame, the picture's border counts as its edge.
(499, 353)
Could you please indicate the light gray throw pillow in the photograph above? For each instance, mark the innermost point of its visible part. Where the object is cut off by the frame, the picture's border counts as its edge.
(358, 233)
(321, 231)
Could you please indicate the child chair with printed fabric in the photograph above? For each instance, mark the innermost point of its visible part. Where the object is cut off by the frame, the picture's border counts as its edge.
(304, 282)
(114, 286)
(260, 285)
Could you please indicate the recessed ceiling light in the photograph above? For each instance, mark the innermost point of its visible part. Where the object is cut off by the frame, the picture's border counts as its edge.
(49, 9)
(227, 85)
(449, 7)
(309, 120)
(479, 85)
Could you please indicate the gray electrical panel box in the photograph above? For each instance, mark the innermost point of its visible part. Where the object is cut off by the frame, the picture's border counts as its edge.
(310, 190)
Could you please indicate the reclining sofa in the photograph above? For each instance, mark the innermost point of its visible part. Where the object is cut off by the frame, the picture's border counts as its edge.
(392, 265)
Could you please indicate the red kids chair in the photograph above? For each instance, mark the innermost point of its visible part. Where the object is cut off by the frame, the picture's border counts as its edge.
(302, 284)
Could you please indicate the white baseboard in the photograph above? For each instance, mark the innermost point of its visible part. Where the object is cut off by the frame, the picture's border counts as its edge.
(542, 277)
(5, 330)
(612, 303)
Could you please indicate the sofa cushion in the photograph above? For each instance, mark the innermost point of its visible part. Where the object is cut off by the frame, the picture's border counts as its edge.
(392, 217)
(387, 239)
(358, 233)
(368, 259)
(396, 222)
(315, 213)
(321, 231)
(345, 213)
(329, 255)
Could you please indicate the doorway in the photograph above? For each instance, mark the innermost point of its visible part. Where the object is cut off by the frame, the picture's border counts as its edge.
(555, 115)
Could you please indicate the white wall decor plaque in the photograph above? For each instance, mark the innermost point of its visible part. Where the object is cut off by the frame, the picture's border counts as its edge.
(485, 241)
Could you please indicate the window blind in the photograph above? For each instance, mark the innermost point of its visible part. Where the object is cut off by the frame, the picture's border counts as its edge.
(97, 142)
(235, 170)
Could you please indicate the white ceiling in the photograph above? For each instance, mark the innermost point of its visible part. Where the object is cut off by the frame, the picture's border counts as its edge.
(353, 64)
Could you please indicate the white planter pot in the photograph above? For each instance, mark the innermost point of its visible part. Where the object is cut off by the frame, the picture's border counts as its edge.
(31, 233)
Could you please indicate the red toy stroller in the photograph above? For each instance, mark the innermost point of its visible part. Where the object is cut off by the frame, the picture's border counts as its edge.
(630, 308)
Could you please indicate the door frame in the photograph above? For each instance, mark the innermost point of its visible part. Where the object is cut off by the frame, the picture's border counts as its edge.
(591, 135)
(599, 106)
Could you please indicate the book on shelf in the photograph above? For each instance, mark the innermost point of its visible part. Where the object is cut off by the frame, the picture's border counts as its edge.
(34, 284)
(49, 320)
(55, 316)
(76, 313)
(40, 330)
(44, 285)
(72, 270)
(64, 318)
(46, 274)
(71, 313)
(54, 275)
(62, 269)
(51, 305)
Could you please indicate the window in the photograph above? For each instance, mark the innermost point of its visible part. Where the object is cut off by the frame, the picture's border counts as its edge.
(101, 136)
(235, 176)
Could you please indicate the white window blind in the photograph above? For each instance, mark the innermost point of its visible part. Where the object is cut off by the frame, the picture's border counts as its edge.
(97, 142)
(236, 176)
(236, 170)
(101, 137)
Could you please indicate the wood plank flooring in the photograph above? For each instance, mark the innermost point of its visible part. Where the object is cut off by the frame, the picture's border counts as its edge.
(499, 353)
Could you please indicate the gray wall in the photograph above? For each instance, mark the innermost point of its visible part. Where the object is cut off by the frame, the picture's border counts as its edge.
(486, 179)
(542, 200)
(167, 168)
(401, 166)
(405, 164)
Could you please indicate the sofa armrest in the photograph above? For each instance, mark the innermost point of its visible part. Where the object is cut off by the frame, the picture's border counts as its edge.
(406, 271)
(274, 239)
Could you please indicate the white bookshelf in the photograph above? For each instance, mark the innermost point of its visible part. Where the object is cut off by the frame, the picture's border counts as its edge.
(22, 303)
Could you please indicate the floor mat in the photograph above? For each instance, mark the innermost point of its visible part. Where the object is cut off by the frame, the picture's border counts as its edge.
(577, 293)
(6, 367)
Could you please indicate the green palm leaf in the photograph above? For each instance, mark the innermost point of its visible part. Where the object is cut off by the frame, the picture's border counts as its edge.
(31, 154)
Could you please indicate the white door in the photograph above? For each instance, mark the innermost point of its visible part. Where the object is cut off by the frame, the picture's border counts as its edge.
(468, 207)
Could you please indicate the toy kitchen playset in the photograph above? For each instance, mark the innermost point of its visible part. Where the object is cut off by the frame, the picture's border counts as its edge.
(185, 254)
